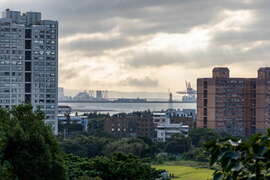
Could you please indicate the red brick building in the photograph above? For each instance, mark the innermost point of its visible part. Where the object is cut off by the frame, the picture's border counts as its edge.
(239, 106)
(130, 125)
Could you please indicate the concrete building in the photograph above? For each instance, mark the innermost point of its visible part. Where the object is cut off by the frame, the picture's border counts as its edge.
(61, 94)
(238, 106)
(72, 124)
(263, 100)
(29, 62)
(165, 128)
(130, 125)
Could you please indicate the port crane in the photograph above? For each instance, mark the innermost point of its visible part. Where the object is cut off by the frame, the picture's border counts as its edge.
(189, 91)
(189, 94)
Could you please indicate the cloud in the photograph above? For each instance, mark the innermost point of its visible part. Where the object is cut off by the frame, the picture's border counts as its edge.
(142, 82)
(103, 42)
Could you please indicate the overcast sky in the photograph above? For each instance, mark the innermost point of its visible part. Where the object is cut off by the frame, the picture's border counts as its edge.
(154, 45)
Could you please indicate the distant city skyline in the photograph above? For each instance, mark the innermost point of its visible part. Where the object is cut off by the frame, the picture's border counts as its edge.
(154, 45)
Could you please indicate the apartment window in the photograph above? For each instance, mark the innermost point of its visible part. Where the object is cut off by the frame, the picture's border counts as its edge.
(205, 122)
(205, 111)
(27, 77)
(28, 98)
(205, 92)
(27, 88)
(28, 33)
(28, 55)
(28, 44)
(205, 83)
(27, 66)
(205, 102)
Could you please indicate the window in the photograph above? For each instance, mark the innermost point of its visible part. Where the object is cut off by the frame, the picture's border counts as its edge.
(205, 92)
(204, 102)
(28, 55)
(205, 84)
(205, 111)
(27, 77)
(27, 88)
(28, 33)
(205, 122)
(27, 66)
(28, 98)
(28, 44)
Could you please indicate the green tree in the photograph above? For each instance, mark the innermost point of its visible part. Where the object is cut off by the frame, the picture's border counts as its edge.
(201, 135)
(178, 144)
(133, 146)
(85, 146)
(197, 154)
(28, 150)
(237, 160)
(118, 166)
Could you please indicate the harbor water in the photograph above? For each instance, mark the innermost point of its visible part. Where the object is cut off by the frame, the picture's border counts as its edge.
(114, 108)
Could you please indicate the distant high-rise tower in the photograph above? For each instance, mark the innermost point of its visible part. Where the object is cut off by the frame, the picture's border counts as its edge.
(29, 62)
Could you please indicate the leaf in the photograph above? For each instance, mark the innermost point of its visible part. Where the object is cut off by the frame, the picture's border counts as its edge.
(237, 167)
(234, 155)
(261, 151)
(218, 176)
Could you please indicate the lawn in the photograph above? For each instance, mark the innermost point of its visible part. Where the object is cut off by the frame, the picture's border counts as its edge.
(187, 172)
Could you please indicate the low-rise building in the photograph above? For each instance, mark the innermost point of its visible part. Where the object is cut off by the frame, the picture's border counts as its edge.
(164, 126)
(157, 125)
(130, 125)
(165, 131)
(71, 124)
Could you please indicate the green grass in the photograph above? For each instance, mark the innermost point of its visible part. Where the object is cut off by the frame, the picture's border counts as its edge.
(186, 172)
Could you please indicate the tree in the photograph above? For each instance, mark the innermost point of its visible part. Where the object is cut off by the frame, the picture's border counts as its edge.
(133, 146)
(28, 150)
(118, 166)
(178, 144)
(85, 146)
(197, 154)
(201, 135)
(237, 160)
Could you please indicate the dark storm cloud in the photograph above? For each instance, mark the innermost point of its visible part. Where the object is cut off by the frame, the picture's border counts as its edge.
(144, 82)
(96, 46)
(218, 56)
(98, 15)
(136, 18)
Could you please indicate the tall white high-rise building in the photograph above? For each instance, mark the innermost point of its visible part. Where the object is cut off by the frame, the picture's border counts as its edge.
(29, 62)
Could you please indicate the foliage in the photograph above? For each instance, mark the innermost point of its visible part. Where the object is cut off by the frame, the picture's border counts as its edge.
(127, 146)
(118, 166)
(92, 146)
(201, 135)
(197, 154)
(178, 144)
(239, 160)
(85, 146)
(28, 150)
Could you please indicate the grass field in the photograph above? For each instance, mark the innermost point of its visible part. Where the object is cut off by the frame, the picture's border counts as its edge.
(186, 172)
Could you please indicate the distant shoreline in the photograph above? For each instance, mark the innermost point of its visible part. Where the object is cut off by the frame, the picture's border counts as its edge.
(146, 102)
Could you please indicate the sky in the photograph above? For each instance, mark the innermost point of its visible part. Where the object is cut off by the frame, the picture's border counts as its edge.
(154, 45)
